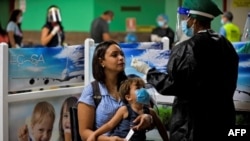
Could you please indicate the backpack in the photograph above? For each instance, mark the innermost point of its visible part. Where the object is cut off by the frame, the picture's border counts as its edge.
(75, 136)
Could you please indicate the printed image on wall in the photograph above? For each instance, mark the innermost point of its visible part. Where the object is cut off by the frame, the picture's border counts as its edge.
(149, 52)
(242, 92)
(159, 58)
(43, 67)
(44, 119)
(243, 84)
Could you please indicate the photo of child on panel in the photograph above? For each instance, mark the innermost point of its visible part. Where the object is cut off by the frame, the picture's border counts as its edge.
(41, 123)
(64, 122)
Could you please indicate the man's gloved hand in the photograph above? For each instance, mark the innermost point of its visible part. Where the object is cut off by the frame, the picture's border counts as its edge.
(140, 66)
(55, 30)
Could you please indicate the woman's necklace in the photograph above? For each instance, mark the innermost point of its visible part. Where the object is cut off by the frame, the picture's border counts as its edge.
(114, 93)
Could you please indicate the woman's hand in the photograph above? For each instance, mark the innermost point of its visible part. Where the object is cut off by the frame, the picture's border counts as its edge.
(143, 122)
(92, 137)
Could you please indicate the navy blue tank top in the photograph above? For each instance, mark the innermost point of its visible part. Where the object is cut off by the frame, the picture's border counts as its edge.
(125, 125)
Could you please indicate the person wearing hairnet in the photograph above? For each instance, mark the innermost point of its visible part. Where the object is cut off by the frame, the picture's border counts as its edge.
(202, 75)
(162, 30)
(229, 29)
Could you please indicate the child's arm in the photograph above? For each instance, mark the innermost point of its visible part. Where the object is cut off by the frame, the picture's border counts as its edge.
(161, 128)
(121, 113)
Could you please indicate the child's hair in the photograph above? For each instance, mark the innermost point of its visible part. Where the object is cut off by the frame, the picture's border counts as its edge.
(42, 109)
(68, 102)
(125, 87)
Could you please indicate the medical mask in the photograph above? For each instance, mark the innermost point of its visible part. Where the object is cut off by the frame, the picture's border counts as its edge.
(20, 19)
(142, 96)
(222, 21)
(161, 23)
(188, 31)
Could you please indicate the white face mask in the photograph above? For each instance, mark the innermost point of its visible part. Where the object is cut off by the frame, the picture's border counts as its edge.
(222, 21)
(20, 19)
(161, 23)
(189, 31)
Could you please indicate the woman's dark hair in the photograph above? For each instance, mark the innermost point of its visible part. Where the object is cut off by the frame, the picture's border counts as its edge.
(13, 17)
(98, 71)
(2, 31)
(47, 13)
(108, 12)
(68, 102)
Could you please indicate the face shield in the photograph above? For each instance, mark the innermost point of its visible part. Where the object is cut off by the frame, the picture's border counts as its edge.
(54, 15)
(182, 15)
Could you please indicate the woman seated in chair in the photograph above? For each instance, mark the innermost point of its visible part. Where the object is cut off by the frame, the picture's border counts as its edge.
(108, 69)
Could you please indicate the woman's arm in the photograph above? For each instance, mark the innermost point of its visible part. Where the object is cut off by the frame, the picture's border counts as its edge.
(86, 116)
(161, 128)
(12, 40)
(45, 36)
(119, 115)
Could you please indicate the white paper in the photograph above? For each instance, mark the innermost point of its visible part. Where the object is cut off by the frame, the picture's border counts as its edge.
(129, 135)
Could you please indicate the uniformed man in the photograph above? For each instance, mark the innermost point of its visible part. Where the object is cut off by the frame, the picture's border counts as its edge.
(202, 73)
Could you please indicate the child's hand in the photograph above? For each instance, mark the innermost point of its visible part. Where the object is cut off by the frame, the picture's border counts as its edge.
(92, 137)
(142, 122)
(23, 133)
(116, 138)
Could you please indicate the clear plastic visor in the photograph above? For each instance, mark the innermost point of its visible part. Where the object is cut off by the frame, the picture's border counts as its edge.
(54, 15)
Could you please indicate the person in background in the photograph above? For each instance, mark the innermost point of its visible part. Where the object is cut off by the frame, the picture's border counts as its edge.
(202, 75)
(3, 35)
(229, 29)
(52, 34)
(99, 31)
(162, 30)
(14, 29)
